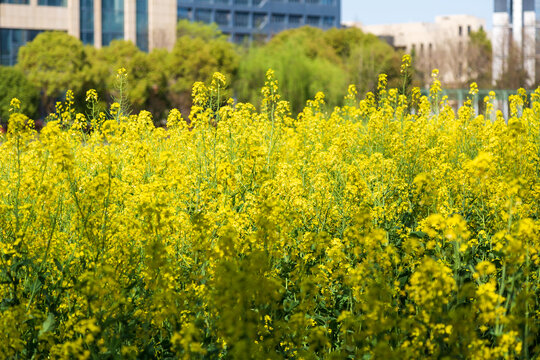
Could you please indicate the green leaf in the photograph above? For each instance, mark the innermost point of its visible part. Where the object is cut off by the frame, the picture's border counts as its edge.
(48, 325)
(58, 264)
(418, 234)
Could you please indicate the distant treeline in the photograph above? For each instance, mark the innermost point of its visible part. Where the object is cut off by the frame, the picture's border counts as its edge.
(305, 60)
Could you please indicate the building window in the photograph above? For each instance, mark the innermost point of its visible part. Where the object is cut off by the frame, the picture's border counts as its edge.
(11, 40)
(184, 13)
(241, 19)
(266, 17)
(295, 19)
(468, 29)
(204, 15)
(52, 2)
(223, 18)
(142, 24)
(313, 20)
(538, 43)
(460, 30)
(112, 17)
(23, 2)
(329, 21)
(278, 19)
(259, 20)
(87, 21)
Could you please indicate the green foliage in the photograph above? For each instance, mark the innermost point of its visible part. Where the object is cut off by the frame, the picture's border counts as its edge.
(481, 39)
(13, 84)
(163, 79)
(158, 100)
(198, 29)
(364, 56)
(299, 63)
(303, 66)
(299, 76)
(479, 55)
(123, 54)
(55, 62)
(195, 58)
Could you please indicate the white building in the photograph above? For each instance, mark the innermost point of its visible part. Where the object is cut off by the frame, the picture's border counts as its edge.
(514, 37)
(438, 44)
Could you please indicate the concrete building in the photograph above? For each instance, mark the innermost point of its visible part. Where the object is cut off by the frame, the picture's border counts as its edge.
(515, 37)
(438, 44)
(152, 23)
(260, 19)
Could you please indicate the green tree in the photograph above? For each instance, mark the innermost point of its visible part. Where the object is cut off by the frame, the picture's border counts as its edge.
(364, 57)
(195, 56)
(329, 63)
(13, 84)
(479, 58)
(197, 29)
(123, 54)
(55, 62)
(157, 102)
(302, 68)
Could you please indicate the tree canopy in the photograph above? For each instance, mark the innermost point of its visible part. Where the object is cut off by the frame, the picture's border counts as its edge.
(55, 62)
(305, 60)
(13, 84)
(198, 53)
(479, 60)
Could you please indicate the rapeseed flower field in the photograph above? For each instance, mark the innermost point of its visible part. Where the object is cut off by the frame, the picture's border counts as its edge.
(389, 228)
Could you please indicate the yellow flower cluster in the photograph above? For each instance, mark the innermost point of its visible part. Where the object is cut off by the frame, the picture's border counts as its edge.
(389, 228)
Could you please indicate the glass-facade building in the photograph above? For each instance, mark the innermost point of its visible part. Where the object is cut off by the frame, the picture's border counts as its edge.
(93, 27)
(12, 38)
(86, 18)
(52, 2)
(112, 20)
(151, 24)
(10, 42)
(142, 24)
(245, 20)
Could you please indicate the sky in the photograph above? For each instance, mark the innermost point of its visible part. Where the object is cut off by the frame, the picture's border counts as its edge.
(370, 12)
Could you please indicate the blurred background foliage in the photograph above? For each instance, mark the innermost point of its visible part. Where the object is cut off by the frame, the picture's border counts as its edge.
(305, 60)
(13, 83)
